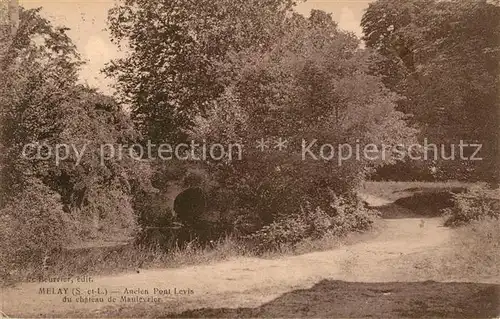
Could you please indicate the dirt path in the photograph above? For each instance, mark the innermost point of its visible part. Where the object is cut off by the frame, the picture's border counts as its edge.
(393, 255)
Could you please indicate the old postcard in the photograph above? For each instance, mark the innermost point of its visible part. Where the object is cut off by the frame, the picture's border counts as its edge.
(249, 159)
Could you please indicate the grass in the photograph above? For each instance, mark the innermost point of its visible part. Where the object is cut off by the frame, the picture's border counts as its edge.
(473, 255)
(328, 242)
(128, 258)
(109, 260)
(476, 251)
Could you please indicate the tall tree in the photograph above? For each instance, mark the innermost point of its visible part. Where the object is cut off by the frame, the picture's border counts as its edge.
(42, 106)
(443, 57)
(171, 73)
(313, 83)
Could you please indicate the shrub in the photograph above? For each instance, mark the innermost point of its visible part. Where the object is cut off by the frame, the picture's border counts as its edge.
(349, 214)
(265, 186)
(108, 213)
(341, 216)
(31, 226)
(479, 202)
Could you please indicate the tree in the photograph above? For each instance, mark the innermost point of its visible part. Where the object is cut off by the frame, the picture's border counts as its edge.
(442, 56)
(171, 74)
(313, 83)
(42, 107)
(237, 71)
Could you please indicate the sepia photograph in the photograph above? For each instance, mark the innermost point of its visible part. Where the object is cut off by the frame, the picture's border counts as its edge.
(250, 159)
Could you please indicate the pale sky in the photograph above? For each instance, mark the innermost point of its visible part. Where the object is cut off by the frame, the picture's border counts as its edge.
(87, 21)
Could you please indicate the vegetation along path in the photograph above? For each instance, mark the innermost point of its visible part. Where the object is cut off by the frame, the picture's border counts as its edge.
(387, 275)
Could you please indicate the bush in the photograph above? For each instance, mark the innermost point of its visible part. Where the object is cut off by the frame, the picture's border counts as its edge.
(31, 227)
(349, 214)
(340, 217)
(265, 186)
(107, 214)
(478, 203)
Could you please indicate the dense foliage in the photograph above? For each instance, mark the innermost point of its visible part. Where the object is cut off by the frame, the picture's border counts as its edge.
(442, 56)
(48, 203)
(237, 72)
(256, 70)
(478, 203)
(340, 217)
(172, 73)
